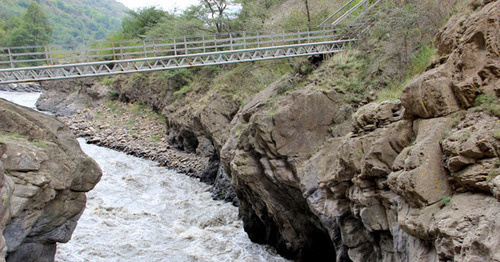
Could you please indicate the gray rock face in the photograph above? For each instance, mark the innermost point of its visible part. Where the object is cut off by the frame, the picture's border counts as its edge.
(44, 177)
(416, 180)
(66, 97)
(21, 87)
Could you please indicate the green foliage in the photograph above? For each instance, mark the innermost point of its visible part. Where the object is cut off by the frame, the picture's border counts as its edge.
(446, 200)
(114, 107)
(33, 30)
(73, 21)
(5, 197)
(496, 134)
(182, 91)
(491, 175)
(138, 107)
(108, 80)
(155, 138)
(488, 103)
(40, 144)
(11, 135)
(254, 13)
(399, 45)
(139, 21)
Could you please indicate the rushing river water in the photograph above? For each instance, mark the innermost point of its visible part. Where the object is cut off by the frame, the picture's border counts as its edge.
(141, 212)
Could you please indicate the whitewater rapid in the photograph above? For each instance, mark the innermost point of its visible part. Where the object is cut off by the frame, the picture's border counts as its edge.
(141, 212)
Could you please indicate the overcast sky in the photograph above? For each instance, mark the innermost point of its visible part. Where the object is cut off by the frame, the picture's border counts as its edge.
(164, 4)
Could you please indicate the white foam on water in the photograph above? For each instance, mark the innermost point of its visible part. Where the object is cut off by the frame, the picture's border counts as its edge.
(141, 212)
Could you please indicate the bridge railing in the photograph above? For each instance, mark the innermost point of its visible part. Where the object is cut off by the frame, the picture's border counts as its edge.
(12, 57)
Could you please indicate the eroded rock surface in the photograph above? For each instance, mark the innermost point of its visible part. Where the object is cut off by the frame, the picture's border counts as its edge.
(44, 177)
(67, 97)
(416, 180)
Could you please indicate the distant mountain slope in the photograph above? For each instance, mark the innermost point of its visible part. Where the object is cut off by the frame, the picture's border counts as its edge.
(73, 21)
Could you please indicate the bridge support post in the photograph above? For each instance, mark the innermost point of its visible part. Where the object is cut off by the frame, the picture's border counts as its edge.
(215, 43)
(203, 40)
(244, 40)
(51, 56)
(185, 46)
(11, 60)
(298, 34)
(175, 47)
(231, 41)
(154, 47)
(121, 49)
(113, 48)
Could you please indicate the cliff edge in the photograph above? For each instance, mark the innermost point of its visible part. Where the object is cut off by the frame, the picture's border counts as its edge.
(410, 180)
(43, 179)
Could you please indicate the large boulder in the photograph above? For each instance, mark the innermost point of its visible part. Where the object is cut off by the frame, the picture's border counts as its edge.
(67, 97)
(44, 177)
(471, 66)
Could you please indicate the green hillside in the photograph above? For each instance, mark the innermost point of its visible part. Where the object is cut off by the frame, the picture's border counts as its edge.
(72, 21)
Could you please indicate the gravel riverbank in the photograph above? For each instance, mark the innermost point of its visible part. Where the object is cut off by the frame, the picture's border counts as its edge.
(135, 130)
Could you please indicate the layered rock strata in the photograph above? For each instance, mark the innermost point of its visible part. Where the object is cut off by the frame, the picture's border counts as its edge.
(411, 180)
(43, 178)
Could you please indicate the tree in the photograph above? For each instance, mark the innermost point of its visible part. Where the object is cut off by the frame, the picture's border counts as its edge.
(216, 11)
(34, 29)
(140, 21)
(254, 13)
(308, 13)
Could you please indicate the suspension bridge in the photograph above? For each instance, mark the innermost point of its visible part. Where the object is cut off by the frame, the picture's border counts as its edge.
(41, 63)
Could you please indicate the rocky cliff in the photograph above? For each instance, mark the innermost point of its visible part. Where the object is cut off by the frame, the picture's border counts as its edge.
(323, 179)
(409, 180)
(43, 179)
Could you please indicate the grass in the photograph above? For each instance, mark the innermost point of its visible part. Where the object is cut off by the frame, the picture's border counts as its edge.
(446, 200)
(108, 80)
(137, 108)
(491, 175)
(5, 197)
(487, 103)
(40, 144)
(496, 133)
(182, 91)
(9, 136)
(418, 63)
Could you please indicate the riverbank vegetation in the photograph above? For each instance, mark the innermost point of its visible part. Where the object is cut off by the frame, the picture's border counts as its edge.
(72, 21)
(396, 48)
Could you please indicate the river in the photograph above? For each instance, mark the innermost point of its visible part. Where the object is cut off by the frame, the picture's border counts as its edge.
(142, 212)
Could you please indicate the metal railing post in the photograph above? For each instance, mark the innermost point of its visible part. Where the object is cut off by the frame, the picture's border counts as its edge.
(231, 41)
(144, 48)
(203, 40)
(244, 40)
(121, 48)
(154, 47)
(51, 56)
(185, 46)
(298, 34)
(46, 55)
(215, 43)
(11, 60)
(113, 48)
(175, 48)
(258, 40)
